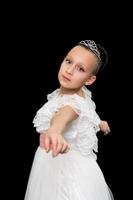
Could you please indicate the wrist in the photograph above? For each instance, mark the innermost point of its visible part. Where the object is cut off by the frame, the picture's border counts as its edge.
(55, 130)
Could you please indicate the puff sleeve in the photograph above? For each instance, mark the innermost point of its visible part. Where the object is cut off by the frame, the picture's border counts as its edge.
(44, 115)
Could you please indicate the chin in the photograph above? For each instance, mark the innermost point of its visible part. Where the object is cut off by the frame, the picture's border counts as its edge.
(64, 85)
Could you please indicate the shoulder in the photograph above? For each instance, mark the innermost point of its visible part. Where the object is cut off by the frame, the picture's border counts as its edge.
(87, 92)
(52, 94)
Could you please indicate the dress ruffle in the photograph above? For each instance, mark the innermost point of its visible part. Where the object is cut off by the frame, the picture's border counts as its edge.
(86, 125)
(76, 174)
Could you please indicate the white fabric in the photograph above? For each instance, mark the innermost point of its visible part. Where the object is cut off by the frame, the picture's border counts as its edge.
(76, 174)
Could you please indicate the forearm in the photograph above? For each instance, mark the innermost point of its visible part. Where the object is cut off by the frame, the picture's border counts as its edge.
(62, 118)
(53, 139)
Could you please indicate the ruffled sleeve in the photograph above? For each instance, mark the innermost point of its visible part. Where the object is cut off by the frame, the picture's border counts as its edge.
(87, 127)
(43, 116)
(42, 121)
(69, 100)
(53, 94)
(91, 111)
(55, 101)
(83, 107)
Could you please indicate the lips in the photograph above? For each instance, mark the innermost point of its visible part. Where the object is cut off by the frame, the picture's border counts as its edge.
(66, 78)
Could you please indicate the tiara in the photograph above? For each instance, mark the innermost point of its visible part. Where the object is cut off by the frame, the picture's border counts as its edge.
(92, 46)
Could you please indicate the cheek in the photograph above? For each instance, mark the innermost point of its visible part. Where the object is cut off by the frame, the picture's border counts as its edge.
(62, 68)
(81, 77)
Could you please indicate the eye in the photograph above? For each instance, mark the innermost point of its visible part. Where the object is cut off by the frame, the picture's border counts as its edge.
(68, 61)
(80, 69)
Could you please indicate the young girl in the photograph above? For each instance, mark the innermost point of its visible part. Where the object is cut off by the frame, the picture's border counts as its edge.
(65, 166)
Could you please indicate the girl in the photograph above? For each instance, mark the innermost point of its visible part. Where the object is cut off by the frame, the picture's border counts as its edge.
(64, 166)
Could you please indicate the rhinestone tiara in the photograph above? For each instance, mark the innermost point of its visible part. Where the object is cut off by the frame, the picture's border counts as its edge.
(92, 46)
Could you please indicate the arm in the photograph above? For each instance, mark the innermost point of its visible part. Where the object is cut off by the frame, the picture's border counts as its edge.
(53, 138)
(62, 118)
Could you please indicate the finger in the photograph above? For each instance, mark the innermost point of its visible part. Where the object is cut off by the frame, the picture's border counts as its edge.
(47, 143)
(107, 132)
(42, 136)
(54, 145)
(66, 149)
(50, 146)
(108, 129)
(59, 148)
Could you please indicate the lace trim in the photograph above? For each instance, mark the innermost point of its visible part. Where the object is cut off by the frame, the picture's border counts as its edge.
(45, 114)
(87, 141)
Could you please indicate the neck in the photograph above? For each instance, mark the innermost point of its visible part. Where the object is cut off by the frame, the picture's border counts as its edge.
(71, 91)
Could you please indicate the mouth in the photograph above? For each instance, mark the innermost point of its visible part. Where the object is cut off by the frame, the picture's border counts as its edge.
(65, 78)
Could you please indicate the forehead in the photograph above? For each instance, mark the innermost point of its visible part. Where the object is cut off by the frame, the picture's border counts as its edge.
(82, 55)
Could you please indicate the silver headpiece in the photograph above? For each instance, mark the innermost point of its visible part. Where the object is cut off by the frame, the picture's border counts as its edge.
(92, 46)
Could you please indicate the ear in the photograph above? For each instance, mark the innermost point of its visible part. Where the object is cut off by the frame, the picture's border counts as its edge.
(90, 80)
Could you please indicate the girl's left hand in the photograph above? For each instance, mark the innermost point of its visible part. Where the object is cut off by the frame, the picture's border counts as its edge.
(104, 127)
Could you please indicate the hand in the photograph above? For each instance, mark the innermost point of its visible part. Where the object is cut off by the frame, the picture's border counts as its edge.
(53, 141)
(104, 127)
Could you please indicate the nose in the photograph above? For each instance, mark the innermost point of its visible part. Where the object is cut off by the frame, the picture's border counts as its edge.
(70, 69)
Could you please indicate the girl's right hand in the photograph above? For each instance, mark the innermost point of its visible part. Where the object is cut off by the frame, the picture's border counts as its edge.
(53, 141)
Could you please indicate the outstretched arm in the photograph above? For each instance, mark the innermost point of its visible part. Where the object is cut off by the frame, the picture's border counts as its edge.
(53, 139)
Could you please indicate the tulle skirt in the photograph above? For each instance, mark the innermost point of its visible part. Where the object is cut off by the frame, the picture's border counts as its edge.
(69, 176)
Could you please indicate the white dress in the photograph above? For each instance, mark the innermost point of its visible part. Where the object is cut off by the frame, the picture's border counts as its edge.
(74, 175)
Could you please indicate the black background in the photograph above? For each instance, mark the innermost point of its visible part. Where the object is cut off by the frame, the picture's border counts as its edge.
(35, 46)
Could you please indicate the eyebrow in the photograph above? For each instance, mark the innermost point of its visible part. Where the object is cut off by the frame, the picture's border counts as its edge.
(70, 57)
